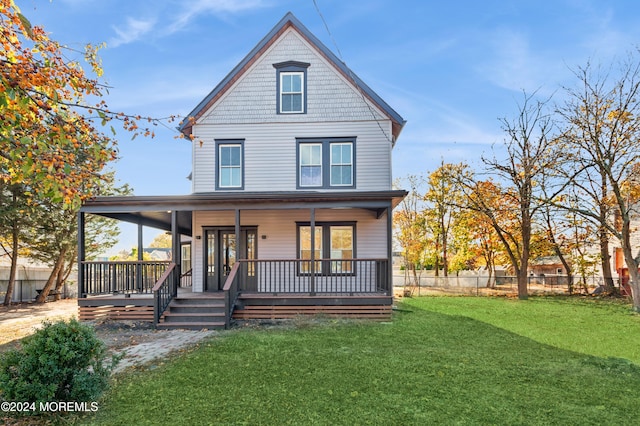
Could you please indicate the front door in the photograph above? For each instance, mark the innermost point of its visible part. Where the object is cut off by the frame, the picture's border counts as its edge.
(221, 254)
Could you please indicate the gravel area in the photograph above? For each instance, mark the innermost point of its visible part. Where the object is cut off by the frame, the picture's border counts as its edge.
(141, 343)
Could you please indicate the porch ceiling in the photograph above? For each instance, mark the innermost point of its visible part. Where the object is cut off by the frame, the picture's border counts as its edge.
(155, 211)
(154, 219)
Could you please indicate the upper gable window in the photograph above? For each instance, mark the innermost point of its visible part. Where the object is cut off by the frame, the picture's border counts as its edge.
(291, 93)
(291, 90)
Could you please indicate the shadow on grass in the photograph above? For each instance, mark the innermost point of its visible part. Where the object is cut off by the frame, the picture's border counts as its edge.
(424, 367)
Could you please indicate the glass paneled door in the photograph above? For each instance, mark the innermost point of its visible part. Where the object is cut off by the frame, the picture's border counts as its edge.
(221, 253)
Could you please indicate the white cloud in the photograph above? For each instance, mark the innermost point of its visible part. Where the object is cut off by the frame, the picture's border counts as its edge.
(177, 16)
(511, 64)
(194, 8)
(134, 30)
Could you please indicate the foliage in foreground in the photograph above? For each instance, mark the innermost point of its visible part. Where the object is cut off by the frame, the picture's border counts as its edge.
(63, 361)
(426, 367)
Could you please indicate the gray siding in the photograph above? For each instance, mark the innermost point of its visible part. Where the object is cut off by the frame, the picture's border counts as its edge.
(270, 153)
(335, 108)
(279, 228)
(252, 99)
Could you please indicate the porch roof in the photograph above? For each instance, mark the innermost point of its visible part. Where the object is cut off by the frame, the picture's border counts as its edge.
(155, 211)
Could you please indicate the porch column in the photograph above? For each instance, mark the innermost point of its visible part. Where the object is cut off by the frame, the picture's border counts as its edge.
(81, 254)
(389, 250)
(140, 286)
(140, 242)
(175, 251)
(312, 278)
(239, 242)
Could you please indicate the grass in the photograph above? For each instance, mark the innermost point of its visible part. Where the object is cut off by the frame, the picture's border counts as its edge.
(441, 360)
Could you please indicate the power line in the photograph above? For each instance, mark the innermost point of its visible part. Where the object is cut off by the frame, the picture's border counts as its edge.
(351, 75)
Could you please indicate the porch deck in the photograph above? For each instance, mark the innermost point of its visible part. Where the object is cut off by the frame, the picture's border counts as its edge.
(254, 289)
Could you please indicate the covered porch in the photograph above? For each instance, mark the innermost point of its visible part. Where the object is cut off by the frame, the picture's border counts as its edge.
(252, 285)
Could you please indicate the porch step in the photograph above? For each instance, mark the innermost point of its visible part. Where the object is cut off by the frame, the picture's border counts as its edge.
(191, 326)
(194, 313)
(193, 316)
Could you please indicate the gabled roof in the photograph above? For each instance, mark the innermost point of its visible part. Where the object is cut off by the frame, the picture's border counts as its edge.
(289, 21)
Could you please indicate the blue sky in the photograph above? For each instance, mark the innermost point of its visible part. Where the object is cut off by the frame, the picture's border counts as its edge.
(451, 69)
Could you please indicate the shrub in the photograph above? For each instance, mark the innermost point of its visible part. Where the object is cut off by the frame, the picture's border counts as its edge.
(63, 361)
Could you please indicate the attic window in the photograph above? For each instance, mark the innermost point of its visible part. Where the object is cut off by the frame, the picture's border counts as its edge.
(291, 87)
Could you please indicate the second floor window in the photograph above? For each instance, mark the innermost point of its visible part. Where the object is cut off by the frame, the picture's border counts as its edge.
(230, 173)
(341, 164)
(326, 163)
(311, 164)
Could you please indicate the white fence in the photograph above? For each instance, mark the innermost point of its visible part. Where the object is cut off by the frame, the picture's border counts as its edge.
(470, 283)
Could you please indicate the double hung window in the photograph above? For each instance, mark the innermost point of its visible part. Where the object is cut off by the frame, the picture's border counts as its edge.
(230, 170)
(291, 92)
(326, 163)
(291, 87)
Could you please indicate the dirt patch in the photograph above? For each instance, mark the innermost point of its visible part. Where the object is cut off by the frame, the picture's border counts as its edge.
(21, 319)
(140, 342)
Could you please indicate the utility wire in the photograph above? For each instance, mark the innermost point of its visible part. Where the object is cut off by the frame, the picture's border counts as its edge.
(351, 75)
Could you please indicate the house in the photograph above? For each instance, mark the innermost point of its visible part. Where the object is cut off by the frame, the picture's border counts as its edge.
(290, 148)
(546, 265)
(547, 270)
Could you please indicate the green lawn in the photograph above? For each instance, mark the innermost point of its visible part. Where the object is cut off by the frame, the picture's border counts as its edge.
(441, 361)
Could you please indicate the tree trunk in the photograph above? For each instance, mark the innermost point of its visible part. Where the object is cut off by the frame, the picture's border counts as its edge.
(605, 258)
(522, 271)
(566, 268)
(445, 261)
(491, 268)
(60, 278)
(634, 280)
(14, 266)
(489, 283)
(42, 297)
(632, 263)
(558, 252)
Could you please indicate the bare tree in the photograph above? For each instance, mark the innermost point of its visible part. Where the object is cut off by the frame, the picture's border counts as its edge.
(603, 130)
(512, 202)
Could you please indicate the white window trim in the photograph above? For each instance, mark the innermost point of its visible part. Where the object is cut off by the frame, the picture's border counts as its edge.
(313, 165)
(221, 167)
(301, 92)
(331, 163)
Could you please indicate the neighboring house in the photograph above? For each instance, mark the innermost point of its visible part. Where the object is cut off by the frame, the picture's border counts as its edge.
(547, 270)
(290, 147)
(546, 265)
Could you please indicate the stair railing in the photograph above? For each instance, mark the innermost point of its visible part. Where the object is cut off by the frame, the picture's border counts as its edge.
(165, 289)
(231, 291)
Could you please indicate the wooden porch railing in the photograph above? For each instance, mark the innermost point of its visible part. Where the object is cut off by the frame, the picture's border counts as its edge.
(344, 276)
(186, 279)
(164, 290)
(120, 277)
(231, 291)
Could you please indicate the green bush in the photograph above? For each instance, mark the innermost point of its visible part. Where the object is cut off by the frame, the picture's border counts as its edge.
(63, 361)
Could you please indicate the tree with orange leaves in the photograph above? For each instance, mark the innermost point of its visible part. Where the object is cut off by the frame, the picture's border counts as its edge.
(48, 135)
(602, 132)
(409, 225)
(50, 146)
